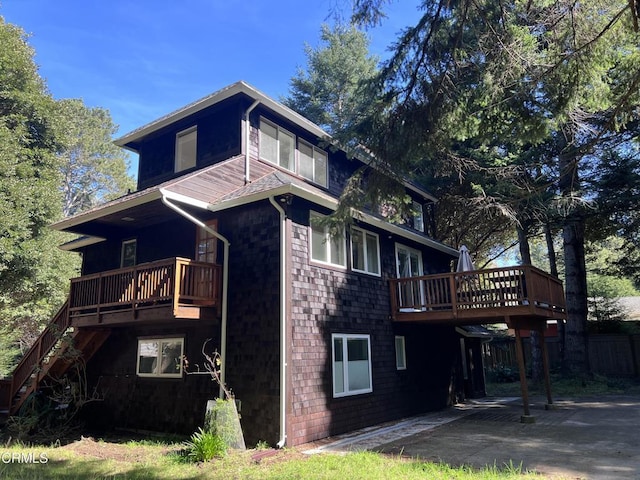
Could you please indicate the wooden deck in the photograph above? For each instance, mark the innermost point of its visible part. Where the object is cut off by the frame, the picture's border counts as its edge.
(499, 295)
(175, 288)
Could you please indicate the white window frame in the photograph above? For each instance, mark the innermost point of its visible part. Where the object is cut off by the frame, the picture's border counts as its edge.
(342, 371)
(160, 341)
(315, 154)
(180, 161)
(401, 353)
(418, 216)
(365, 247)
(279, 132)
(415, 291)
(328, 240)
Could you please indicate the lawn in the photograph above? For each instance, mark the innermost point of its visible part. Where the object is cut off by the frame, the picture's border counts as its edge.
(91, 459)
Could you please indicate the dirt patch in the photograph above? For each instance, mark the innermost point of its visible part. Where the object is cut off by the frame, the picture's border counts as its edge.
(89, 447)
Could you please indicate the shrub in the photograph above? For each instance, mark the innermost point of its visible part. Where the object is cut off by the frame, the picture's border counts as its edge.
(204, 446)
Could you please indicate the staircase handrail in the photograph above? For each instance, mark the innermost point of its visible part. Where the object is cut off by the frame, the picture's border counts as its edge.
(43, 345)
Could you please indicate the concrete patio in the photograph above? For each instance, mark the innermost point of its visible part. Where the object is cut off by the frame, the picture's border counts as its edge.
(587, 438)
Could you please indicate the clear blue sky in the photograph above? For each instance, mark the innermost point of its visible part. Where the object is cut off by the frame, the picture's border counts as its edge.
(142, 59)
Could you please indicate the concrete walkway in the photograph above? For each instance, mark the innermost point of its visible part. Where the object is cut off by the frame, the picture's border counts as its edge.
(594, 438)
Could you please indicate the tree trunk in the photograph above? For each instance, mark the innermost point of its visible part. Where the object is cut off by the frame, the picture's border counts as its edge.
(551, 251)
(553, 269)
(537, 372)
(523, 243)
(576, 353)
(573, 227)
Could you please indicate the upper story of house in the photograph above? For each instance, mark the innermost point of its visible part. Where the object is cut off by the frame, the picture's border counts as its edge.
(240, 121)
(216, 168)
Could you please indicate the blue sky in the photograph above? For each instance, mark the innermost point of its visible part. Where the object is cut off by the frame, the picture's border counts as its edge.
(142, 59)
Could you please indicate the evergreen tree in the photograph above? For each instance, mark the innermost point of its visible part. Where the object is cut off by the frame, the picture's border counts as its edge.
(523, 99)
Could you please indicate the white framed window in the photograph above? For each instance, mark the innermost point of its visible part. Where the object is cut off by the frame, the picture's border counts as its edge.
(418, 216)
(365, 251)
(186, 149)
(401, 355)
(160, 357)
(324, 247)
(128, 252)
(277, 145)
(312, 163)
(351, 359)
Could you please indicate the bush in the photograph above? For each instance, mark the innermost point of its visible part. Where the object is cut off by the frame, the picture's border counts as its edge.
(204, 446)
(503, 374)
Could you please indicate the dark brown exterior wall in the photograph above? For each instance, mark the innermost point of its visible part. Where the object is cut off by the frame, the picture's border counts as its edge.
(325, 301)
(105, 255)
(154, 404)
(253, 345)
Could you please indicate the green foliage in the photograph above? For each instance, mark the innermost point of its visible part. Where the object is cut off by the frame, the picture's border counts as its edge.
(93, 168)
(222, 420)
(328, 93)
(204, 446)
(33, 272)
(523, 104)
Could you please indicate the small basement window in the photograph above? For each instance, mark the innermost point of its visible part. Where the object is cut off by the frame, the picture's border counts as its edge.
(160, 357)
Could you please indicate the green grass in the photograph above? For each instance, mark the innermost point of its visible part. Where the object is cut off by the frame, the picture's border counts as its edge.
(158, 464)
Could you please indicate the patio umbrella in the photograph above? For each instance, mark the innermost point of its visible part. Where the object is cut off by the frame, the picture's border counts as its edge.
(465, 264)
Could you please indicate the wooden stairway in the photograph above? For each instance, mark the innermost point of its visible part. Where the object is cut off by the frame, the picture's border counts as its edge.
(46, 357)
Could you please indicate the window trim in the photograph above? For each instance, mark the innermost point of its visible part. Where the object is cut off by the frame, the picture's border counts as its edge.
(366, 258)
(327, 244)
(160, 340)
(314, 150)
(177, 164)
(345, 375)
(279, 129)
(403, 350)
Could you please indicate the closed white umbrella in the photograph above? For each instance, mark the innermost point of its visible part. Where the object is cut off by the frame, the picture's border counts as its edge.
(465, 263)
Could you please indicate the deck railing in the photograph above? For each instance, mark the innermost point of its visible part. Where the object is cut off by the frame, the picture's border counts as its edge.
(177, 281)
(479, 289)
(42, 347)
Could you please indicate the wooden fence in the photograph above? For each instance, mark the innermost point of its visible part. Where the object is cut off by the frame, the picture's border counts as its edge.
(609, 354)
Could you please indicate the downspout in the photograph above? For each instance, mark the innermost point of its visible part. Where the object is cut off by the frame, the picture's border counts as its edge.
(225, 282)
(247, 139)
(283, 323)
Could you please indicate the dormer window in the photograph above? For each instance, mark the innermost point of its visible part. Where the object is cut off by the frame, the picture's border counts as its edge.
(277, 145)
(312, 163)
(186, 149)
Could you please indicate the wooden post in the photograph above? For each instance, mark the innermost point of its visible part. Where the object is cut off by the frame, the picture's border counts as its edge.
(526, 417)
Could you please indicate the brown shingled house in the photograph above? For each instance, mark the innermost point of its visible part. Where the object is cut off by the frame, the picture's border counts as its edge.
(316, 334)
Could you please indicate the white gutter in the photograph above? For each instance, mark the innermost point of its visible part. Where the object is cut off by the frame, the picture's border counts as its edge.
(225, 281)
(247, 138)
(283, 323)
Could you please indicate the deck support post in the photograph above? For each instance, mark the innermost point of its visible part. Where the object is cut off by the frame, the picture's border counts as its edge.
(545, 367)
(526, 417)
